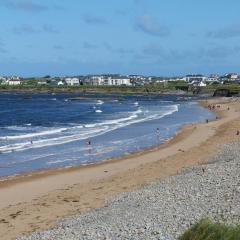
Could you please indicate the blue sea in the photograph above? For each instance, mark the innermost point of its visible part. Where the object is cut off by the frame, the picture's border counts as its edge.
(42, 131)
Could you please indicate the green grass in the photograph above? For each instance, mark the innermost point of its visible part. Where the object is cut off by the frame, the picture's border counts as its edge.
(30, 85)
(207, 230)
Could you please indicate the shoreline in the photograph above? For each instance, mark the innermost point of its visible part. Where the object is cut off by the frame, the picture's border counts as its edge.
(163, 209)
(79, 190)
(41, 173)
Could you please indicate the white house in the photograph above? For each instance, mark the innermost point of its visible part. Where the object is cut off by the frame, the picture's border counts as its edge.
(212, 79)
(72, 81)
(60, 83)
(231, 76)
(42, 81)
(119, 81)
(97, 80)
(198, 84)
(14, 82)
(202, 84)
(109, 80)
(195, 78)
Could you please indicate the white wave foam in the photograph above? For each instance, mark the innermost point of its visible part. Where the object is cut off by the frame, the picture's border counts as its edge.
(100, 102)
(98, 111)
(87, 131)
(31, 135)
(17, 128)
(51, 141)
(57, 161)
(115, 121)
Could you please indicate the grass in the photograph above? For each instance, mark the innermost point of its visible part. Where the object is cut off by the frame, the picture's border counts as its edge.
(86, 88)
(207, 230)
(155, 88)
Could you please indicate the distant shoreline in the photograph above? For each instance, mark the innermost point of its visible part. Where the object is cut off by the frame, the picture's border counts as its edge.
(92, 89)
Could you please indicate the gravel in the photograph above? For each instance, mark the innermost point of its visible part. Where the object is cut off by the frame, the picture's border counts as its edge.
(163, 209)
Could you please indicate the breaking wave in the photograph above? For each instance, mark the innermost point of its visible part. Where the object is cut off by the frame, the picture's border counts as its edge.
(58, 136)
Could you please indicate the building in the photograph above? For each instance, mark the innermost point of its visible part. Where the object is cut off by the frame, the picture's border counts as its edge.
(119, 81)
(198, 84)
(14, 82)
(202, 84)
(96, 80)
(213, 79)
(108, 80)
(72, 81)
(60, 83)
(231, 76)
(43, 81)
(3, 81)
(195, 78)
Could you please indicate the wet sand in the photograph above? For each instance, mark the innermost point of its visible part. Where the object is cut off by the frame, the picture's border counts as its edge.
(37, 200)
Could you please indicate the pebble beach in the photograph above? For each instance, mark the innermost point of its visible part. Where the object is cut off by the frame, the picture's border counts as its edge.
(163, 209)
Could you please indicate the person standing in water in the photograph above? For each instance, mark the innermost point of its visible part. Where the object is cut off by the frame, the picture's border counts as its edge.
(89, 149)
(158, 134)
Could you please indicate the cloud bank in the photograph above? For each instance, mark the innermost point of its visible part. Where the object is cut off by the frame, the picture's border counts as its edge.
(24, 5)
(150, 26)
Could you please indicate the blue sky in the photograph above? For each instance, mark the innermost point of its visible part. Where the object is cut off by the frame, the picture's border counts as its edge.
(151, 37)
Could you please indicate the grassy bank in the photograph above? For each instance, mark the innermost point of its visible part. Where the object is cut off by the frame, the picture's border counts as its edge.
(159, 88)
(89, 89)
(206, 230)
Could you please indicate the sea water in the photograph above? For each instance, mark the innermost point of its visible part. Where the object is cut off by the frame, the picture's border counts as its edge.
(42, 131)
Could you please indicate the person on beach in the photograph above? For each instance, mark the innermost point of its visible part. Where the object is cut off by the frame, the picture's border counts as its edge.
(158, 134)
(89, 145)
(206, 120)
(238, 133)
(89, 149)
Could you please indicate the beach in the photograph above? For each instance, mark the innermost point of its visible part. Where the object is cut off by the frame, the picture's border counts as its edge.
(163, 209)
(36, 201)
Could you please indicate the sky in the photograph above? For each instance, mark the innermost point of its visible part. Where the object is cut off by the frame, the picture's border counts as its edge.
(149, 37)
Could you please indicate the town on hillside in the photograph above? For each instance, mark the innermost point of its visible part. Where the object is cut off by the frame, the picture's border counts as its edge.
(196, 80)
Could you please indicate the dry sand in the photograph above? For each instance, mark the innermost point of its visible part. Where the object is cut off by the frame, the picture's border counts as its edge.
(38, 200)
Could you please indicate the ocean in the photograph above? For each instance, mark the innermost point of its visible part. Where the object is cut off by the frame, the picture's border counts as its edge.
(43, 131)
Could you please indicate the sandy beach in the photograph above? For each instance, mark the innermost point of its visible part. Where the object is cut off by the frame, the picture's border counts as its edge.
(38, 200)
